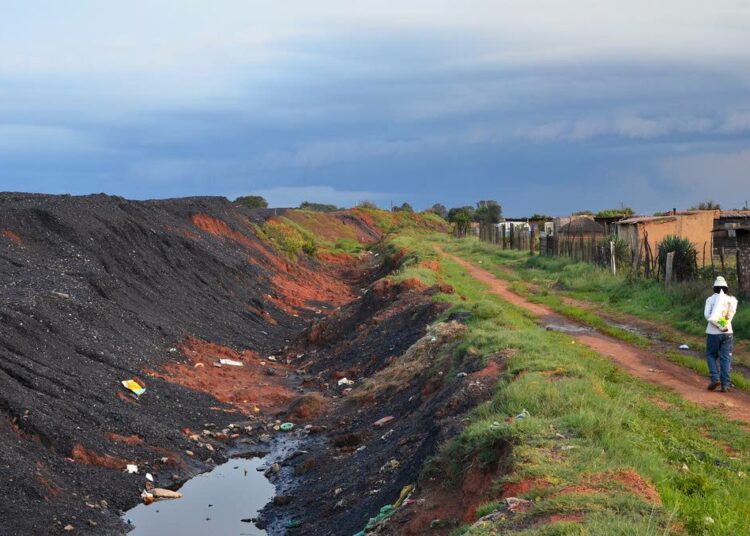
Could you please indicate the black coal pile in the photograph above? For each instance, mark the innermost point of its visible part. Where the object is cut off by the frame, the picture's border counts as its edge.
(95, 290)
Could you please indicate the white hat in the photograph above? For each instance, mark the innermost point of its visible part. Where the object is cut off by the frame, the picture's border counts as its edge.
(720, 282)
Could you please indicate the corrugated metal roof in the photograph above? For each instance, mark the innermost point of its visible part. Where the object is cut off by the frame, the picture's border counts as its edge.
(647, 219)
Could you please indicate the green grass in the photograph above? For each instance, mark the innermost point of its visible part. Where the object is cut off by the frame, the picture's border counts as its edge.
(593, 419)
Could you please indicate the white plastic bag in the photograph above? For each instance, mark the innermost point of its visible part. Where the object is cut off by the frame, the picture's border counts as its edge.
(721, 310)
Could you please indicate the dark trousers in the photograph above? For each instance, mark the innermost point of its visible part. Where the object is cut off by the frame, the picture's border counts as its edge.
(719, 349)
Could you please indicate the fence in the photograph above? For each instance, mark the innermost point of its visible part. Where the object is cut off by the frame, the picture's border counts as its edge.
(521, 237)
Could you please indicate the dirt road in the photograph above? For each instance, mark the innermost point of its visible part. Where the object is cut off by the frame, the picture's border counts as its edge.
(637, 361)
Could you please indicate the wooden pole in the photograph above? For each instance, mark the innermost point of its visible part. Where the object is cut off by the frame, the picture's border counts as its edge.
(668, 271)
(612, 253)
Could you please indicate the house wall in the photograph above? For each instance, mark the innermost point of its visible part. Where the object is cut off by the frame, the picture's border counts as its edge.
(695, 227)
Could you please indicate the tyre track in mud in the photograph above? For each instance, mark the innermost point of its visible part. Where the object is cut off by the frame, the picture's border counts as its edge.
(636, 361)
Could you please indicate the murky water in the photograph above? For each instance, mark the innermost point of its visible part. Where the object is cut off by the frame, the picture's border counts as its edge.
(212, 503)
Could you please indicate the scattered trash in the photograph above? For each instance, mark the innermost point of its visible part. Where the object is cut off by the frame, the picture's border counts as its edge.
(708, 520)
(189, 453)
(495, 426)
(569, 447)
(517, 505)
(149, 477)
(345, 381)
(161, 493)
(405, 492)
(60, 294)
(231, 363)
(271, 358)
(286, 427)
(461, 375)
(684, 347)
(199, 365)
(172, 350)
(390, 465)
(523, 415)
(383, 421)
(274, 468)
(131, 468)
(69, 528)
(147, 497)
(134, 386)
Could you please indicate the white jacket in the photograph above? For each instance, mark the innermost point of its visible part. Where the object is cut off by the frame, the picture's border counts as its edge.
(711, 329)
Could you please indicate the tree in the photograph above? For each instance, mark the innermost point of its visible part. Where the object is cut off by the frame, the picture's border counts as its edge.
(614, 212)
(317, 207)
(540, 217)
(462, 221)
(488, 211)
(583, 213)
(439, 209)
(454, 212)
(252, 201)
(706, 205)
(405, 207)
(365, 203)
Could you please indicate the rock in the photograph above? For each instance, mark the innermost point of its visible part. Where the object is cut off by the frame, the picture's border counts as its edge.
(69, 528)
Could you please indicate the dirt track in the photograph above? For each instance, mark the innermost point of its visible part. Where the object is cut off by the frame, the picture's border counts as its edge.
(636, 361)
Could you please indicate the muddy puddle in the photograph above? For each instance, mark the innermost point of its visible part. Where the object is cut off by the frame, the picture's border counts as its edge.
(212, 503)
(567, 328)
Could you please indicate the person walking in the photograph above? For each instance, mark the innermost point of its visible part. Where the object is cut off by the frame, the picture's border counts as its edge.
(719, 310)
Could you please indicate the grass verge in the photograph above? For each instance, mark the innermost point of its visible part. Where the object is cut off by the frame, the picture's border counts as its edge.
(589, 425)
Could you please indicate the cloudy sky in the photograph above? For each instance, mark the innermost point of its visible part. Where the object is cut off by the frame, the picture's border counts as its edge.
(546, 105)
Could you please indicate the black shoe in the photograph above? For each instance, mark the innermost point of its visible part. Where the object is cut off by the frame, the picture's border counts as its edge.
(725, 388)
(713, 385)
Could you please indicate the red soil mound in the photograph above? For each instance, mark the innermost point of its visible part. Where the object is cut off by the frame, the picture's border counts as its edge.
(243, 387)
(83, 455)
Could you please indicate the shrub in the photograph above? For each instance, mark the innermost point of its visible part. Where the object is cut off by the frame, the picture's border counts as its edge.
(685, 265)
(288, 239)
(252, 201)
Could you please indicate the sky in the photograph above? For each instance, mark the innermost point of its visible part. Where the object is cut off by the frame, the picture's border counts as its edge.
(547, 106)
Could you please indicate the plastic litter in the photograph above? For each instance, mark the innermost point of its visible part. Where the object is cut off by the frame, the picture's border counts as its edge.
(131, 468)
(231, 363)
(345, 381)
(286, 427)
(147, 497)
(134, 386)
(523, 415)
(149, 477)
(161, 493)
(383, 421)
(405, 492)
(684, 347)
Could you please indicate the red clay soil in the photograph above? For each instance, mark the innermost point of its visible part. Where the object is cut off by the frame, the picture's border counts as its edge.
(88, 457)
(458, 503)
(333, 226)
(634, 360)
(13, 237)
(245, 387)
(630, 480)
(295, 284)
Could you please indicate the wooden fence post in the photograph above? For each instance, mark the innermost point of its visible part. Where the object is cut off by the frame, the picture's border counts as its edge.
(668, 270)
(612, 253)
(531, 240)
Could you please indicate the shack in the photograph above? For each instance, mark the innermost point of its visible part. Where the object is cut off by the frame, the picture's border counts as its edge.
(735, 229)
(644, 233)
(581, 228)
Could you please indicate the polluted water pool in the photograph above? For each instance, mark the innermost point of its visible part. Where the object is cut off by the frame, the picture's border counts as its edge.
(212, 503)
